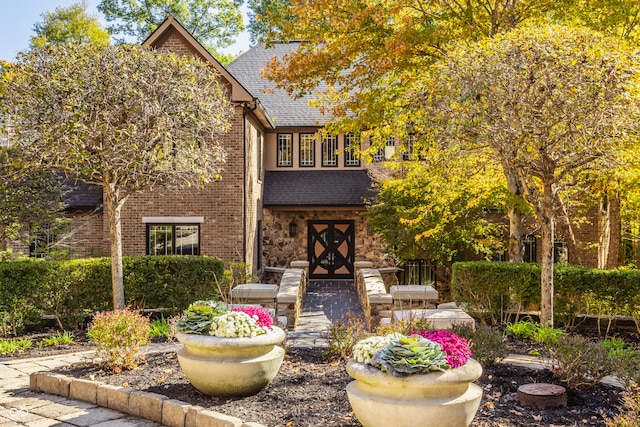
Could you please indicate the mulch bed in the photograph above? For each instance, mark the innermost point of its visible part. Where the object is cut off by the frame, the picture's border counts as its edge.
(310, 391)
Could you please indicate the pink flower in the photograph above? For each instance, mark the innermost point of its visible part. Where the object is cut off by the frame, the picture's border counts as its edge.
(261, 315)
(456, 347)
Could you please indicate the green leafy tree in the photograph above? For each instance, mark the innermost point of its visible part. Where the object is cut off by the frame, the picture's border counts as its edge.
(437, 208)
(547, 103)
(619, 18)
(260, 16)
(214, 23)
(369, 53)
(71, 24)
(122, 117)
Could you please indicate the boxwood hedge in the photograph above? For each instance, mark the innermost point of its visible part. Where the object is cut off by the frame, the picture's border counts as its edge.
(70, 289)
(492, 289)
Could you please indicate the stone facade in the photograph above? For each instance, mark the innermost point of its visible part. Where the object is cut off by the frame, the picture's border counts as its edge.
(279, 248)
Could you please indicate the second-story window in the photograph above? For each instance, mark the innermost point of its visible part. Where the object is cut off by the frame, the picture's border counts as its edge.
(329, 151)
(386, 152)
(307, 148)
(285, 149)
(351, 149)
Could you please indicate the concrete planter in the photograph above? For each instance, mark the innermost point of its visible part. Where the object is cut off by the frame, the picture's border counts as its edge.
(231, 366)
(436, 399)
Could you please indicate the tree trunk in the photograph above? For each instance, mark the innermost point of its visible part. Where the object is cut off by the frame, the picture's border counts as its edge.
(547, 234)
(114, 210)
(604, 232)
(516, 249)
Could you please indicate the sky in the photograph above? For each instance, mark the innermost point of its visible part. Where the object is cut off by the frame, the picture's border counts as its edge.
(17, 18)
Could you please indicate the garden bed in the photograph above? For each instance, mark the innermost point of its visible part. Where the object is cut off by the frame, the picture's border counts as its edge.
(309, 391)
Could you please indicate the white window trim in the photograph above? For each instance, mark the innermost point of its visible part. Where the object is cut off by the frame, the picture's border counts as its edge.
(172, 219)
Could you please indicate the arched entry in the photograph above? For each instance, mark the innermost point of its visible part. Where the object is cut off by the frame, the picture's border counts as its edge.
(331, 249)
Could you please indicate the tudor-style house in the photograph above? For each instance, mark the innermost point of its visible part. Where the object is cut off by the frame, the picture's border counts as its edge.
(285, 193)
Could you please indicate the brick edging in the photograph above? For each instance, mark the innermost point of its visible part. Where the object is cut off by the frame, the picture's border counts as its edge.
(151, 406)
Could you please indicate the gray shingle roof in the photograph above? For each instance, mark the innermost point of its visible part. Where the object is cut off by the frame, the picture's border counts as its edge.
(284, 110)
(78, 195)
(317, 188)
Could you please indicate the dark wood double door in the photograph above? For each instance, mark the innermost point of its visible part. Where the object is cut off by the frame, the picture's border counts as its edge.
(331, 249)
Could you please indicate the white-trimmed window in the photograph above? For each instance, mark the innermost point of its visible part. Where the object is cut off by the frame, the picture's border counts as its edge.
(330, 151)
(351, 149)
(173, 235)
(285, 149)
(307, 149)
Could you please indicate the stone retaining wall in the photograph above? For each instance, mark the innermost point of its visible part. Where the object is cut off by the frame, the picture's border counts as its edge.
(373, 296)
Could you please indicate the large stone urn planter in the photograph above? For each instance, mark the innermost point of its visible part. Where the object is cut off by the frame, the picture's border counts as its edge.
(436, 399)
(231, 366)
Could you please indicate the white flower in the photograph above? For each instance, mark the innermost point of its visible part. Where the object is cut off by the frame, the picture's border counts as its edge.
(236, 324)
(364, 349)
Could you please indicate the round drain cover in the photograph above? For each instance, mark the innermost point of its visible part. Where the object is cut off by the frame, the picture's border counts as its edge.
(542, 395)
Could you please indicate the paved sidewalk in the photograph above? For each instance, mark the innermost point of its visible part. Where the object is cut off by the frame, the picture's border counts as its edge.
(21, 407)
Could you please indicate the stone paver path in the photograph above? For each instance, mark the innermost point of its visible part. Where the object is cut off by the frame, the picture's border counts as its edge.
(21, 407)
(325, 302)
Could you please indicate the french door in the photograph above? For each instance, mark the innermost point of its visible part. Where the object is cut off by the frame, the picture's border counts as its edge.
(331, 249)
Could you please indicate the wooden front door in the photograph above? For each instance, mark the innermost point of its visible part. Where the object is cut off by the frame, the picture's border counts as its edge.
(331, 249)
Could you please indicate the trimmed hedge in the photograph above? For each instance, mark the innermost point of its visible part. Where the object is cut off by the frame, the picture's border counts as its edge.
(70, 289)
(490, 289)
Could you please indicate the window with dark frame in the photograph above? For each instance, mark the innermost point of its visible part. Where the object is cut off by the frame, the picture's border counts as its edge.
(330, 151)
(560, 252)
(418, 272)
(285, 150)
(351, 149)
(409, 145)
(529, 243)
(173, 239)
(307, 150)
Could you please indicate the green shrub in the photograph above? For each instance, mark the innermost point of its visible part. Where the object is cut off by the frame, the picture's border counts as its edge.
(160, 328)
(21, 295)
(13, 346)
(119, 335)
(490, 289)
(486, 343)
(547, 334)
(64, 338)
(624, 361)
(71, 290)
(343, 335)
(579, 362)
(522, 329)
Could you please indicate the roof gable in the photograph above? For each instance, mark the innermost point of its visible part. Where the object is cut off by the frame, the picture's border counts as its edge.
(173, 37)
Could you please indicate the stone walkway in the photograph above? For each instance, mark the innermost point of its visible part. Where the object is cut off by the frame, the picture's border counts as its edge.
(21, 407)
(325, 302)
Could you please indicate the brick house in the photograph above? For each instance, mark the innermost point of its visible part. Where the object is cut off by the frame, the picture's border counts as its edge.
(285, 194)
